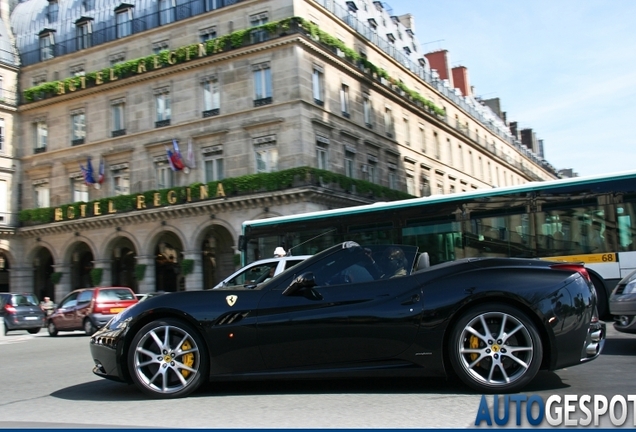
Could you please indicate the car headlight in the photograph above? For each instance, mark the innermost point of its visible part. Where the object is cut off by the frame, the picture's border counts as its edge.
(117, 323)
(630, 287)
(627, 285)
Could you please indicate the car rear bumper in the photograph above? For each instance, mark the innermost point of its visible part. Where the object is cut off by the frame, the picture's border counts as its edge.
(23, 323)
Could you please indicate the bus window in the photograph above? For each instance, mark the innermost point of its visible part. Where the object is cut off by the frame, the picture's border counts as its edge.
(626, 231)
(372, 234)
(442, 241)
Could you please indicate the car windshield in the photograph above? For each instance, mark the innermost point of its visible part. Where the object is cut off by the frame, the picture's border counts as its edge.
(24, 300)
(115, 294)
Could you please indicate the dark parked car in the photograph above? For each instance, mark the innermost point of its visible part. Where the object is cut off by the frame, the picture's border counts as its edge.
(21, 311)
(350, 311)
(622, 304)
(89, 309)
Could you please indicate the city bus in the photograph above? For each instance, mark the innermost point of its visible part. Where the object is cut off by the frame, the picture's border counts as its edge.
(583, 219)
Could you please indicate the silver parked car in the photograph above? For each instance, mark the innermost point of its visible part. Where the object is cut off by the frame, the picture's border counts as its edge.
(259, 271)
(622, 304)
(21, 311)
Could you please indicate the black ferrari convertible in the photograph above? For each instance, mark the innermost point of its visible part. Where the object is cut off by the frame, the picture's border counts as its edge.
(354, 311)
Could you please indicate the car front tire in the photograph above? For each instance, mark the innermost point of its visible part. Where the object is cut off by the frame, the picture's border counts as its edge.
(89, 327)
(495, 348)
(51, 328)
(167, 359)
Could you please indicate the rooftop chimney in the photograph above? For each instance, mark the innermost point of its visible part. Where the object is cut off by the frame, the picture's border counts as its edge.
(438, 60)
(460, 80)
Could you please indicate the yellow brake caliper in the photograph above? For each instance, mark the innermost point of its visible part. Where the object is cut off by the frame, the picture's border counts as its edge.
(187, 359)
(474, 344)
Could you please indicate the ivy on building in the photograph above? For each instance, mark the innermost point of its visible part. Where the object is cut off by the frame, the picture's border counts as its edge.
(235, 186)
(223, 43)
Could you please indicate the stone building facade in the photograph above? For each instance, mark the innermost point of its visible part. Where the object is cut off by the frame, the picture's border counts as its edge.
(243, 88)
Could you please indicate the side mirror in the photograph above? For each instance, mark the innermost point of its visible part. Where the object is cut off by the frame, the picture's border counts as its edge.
(304, 281)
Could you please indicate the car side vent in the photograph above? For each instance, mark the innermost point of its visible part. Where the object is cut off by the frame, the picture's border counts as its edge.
(231, 318)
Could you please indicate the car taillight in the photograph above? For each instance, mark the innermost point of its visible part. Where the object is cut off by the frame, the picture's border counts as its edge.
(10, 309)
(575, 267)
(99, 307)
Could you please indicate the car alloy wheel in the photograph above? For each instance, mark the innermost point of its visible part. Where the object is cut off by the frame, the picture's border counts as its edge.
(495, 348)
(167, 359)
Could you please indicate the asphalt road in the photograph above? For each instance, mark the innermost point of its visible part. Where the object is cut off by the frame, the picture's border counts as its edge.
(47, 382)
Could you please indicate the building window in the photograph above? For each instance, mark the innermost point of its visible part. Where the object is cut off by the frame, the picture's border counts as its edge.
(322, 156)
(89, 5)
(422, 132)
(1, 135)
(318, 86)
(117, 110)
(407, 132)
(371, 169)
(438, 150)
(162, 106)
(262, 34)
(393, 183)
(410, 184)
(165, 175)
(461, 157)
(388, 122)
(80, 189)
(207, 34)
(344, 100)
(120, 178)
(166, 12)
(213, 4)
(116, 58)
(78, 128)
(41, 136)
(262, 84)
(425, 187)
(211, 97)
(449, 147)
(83, 34)
(367, 110)
(52, 11)
(41, 195)
(47, 45)
(266, 159)
(124, 22)
(350, 163)
(214, 167)
(157, 47)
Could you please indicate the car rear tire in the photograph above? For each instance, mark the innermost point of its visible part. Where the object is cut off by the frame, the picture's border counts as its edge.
(6, 327)
(89, 327)
(34, 330)
(51, 328)
(495, 348)
(167, 359)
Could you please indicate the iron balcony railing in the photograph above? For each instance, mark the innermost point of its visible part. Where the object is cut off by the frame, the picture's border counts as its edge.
(103, 33)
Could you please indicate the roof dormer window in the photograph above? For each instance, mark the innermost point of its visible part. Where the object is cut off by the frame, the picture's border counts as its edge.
(52, 11)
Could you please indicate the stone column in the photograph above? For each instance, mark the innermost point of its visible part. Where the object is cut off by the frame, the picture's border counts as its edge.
(107, 274)
(21, 280)
(194, 281)
(147, 284)
(63, 287)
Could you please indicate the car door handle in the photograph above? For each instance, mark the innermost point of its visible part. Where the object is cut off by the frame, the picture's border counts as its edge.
(414, 299)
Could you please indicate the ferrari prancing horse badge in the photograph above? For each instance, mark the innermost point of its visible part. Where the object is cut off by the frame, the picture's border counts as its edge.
(231, 299)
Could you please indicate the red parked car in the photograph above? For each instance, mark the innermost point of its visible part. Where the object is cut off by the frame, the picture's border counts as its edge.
(89, 309)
